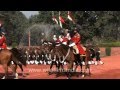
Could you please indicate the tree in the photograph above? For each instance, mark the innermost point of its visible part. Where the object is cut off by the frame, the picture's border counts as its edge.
(104, 25)
(15, 24)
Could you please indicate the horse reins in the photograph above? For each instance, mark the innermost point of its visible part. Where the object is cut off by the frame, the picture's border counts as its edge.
(66, 55)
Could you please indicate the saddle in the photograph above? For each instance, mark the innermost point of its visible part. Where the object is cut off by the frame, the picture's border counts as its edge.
(75, 50)
(1, 49)
(8, 48)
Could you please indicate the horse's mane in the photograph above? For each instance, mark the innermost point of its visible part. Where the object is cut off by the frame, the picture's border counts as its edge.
(18, 55)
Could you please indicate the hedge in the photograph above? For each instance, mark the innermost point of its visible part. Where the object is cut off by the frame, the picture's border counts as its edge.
(108, 51)
(110, 44)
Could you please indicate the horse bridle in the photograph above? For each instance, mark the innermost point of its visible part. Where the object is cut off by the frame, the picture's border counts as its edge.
(66, 54)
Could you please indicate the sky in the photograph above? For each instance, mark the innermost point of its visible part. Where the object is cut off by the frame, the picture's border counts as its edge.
(29, 13)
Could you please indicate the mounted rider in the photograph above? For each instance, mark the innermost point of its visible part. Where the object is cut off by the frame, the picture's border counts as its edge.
(2, 38)
(76, 39)
(3, 41)
(66, 37)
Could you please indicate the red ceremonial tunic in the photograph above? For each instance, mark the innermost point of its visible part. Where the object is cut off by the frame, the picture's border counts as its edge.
(3, 43)
(65, 40)
(76, 40)
(4, 46)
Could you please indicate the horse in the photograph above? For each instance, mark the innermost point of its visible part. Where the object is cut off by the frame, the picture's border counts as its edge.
(56, 58)
(87, 59)
(6, 56)
(61, 53)
(47, 49)
(89, 55)
(69, 57)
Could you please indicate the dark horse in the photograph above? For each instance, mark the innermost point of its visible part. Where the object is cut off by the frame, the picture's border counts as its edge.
(6, 56)
(89, 55)
(70, 58)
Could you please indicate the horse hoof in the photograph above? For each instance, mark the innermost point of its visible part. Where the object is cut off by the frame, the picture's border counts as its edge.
(83, 76)
(23, 76)
(57, 76)
(3, 77)
(77, 75)
(16, 78)
(81, 73)
(89, 74)
(49, 73)
(68, 78)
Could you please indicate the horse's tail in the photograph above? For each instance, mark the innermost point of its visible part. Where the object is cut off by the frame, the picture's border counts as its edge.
(16, 57)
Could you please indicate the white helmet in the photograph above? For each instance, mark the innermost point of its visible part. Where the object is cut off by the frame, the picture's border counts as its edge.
(54, 36)
(60, 36)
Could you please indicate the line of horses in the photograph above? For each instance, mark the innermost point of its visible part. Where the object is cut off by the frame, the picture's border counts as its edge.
(50, 52)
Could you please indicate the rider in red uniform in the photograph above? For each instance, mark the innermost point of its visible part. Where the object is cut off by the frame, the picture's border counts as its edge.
(3, 41)
(77, 39)
(66, 37)
(64, 41)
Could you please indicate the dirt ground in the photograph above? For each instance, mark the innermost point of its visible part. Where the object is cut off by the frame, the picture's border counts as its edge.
(109, 70)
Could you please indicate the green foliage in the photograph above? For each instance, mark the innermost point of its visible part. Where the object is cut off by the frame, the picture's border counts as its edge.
(108, 51)
(15, 23)
(103, 25)
(14, 45)
(110, 44)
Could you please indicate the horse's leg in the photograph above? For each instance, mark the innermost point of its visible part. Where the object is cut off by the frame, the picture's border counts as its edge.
(58, 68)
(14, 68)
(76, 66)
(51, 65)
(23, 75)
(81, 72)
(89, 70)
(76, 62)
(87, 67)
(5, 67)
(80, 62)
(68, 73)
(70, 69)
(62, 67)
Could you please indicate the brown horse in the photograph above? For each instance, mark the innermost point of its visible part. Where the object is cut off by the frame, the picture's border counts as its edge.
(70, 57)
(6, 56)
(87, 59)
(62, 53)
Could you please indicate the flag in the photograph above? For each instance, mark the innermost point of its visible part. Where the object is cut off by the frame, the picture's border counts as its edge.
(54, 19)
(61, 21)
(69, 17)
